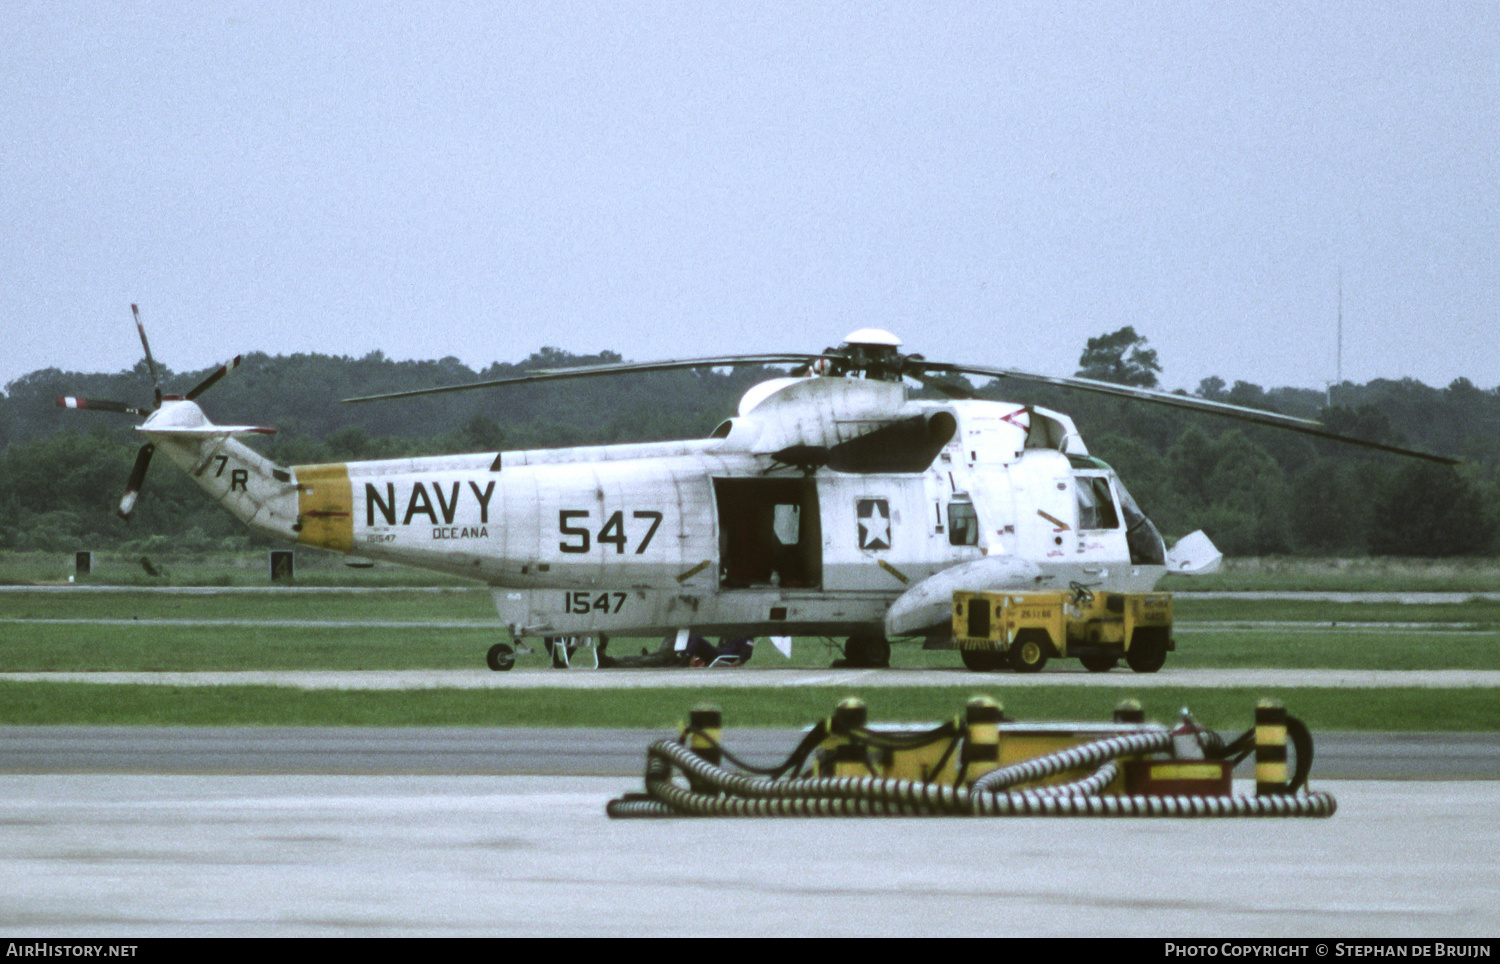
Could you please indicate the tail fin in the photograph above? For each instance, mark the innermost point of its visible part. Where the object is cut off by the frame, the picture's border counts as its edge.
(254, 489)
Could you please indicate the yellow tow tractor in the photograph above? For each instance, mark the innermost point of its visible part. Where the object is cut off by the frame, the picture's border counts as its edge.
(1025, 629)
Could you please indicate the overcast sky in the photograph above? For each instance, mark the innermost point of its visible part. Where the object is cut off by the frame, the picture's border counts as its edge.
(994, 182)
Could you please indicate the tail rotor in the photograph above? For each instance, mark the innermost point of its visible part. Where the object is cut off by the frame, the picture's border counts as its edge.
(150, 362)
(143, 457)
(101, 405)
(137, 477)
(214, 377)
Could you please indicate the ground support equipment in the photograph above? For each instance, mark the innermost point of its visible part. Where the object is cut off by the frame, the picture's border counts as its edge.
(981, 764)
(1023, 630)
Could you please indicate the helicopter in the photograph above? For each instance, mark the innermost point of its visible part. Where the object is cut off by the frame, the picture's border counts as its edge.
(832, 503)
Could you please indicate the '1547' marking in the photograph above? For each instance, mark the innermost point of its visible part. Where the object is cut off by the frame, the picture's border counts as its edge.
(583, 602)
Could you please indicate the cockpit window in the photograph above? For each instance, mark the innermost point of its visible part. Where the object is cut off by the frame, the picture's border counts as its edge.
(963, 524)
(1096, 506)
(1146, 545)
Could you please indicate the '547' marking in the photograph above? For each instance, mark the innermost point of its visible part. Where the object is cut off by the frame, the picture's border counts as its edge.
(611, 534)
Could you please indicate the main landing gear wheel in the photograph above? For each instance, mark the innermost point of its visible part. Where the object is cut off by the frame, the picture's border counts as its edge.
(868, 652)
(500, 657)
(1099, 664)
(982, 660)
(1028, 654)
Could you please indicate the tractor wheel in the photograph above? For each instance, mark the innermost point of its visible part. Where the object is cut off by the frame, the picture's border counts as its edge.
(1029, 653)
(1099, 664)
(982, 660)
(1147, 653)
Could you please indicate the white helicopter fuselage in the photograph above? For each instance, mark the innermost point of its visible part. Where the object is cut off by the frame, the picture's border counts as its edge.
(828, 506)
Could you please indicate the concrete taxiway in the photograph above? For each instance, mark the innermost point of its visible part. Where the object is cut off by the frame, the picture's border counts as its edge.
(146, 855)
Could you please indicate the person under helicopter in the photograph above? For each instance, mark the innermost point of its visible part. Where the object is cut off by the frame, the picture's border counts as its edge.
(731, 651)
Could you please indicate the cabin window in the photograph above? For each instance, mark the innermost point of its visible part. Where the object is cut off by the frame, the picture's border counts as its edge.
(1096, 506)
(963, 524)
(786, 523)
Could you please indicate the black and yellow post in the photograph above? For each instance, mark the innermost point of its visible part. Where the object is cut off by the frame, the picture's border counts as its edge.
(981, 752)
(706, 724)
(846, 756)
(1270, 748)
(705, 733)
(1129, 711)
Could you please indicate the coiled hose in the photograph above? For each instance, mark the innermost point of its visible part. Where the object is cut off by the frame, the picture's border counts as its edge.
(1073, 758)
(730, 794)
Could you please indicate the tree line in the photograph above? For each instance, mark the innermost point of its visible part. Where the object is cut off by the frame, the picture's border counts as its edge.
(1256, 491)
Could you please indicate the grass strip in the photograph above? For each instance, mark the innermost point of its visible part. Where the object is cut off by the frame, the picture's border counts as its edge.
(475, 604)
(394, 604)
(1187, 609)
(45, 647)
(1458, 710)
(131, 647)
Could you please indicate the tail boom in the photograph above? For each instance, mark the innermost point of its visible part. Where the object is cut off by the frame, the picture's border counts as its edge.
(250, 486)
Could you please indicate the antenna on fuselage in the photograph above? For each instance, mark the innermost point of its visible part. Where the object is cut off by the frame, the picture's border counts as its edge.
(1338, 378)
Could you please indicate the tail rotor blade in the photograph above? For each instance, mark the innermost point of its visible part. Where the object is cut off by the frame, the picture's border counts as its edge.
(213, 378)
(99, 405)
(137, 476)
(150, 362)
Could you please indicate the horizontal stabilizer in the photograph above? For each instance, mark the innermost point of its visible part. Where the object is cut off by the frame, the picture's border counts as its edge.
(1194, 555)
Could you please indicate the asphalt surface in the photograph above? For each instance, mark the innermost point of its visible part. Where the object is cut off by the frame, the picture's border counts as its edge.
(580, 752)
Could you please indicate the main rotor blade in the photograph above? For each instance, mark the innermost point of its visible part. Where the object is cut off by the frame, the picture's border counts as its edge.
(150, 362)
(1223, 409)
(939, 385)
(621, 368)
(99, 405)
(214, 377)
(137, 476)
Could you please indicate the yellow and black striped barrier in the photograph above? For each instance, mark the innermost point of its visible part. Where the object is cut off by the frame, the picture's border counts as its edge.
(1270, 747)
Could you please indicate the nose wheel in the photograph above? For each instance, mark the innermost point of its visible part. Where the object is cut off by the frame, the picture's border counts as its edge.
(500, 658)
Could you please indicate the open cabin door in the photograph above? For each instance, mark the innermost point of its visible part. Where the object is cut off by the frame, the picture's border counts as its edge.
(769, 533)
